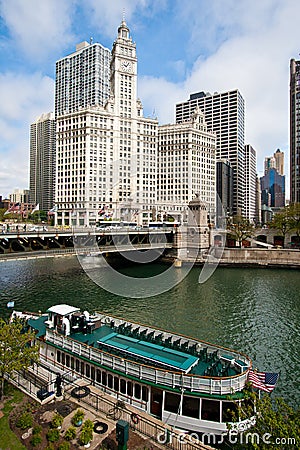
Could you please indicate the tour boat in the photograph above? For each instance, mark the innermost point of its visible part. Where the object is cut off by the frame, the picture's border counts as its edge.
(189, 384)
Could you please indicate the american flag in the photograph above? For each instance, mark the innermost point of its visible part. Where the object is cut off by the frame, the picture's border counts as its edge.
(266, 381)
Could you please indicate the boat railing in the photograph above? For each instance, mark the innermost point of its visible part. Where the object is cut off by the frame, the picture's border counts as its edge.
(167, 378)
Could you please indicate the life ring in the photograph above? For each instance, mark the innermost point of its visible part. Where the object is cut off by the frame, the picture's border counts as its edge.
(135, 418)
(100, 427)
(80, 392)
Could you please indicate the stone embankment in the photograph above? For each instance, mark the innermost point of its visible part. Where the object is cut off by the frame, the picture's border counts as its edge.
(260, 257)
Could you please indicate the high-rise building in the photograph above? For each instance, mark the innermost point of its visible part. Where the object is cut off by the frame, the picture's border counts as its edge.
(224, 185)
(186, 165)
(107, 155)
(250, 183)
(42, 161)
(224, 115)
(19, 196)
(294, 131)
(273, 189)
(82, 78)
(275, 162)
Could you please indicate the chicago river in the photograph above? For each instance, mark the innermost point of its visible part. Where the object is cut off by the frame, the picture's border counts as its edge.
(256, 311)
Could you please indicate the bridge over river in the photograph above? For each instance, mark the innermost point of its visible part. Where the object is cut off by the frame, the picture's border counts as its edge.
(28, 243)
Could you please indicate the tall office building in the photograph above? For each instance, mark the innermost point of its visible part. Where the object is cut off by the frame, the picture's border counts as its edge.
(107, 155)
(250, 183)
(224, 184)
(82, 78)
(224, 115)
(186, 165)
(294, 131)
(42, 161)
(273, 189)
(275, 162)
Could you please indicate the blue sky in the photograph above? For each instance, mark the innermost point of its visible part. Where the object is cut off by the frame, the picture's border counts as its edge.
(182, 47)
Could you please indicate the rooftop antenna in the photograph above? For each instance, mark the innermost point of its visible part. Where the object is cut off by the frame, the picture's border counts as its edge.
(91, 40)
(123, 15)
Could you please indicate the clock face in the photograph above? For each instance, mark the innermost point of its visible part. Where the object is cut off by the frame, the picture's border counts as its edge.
(126, 66)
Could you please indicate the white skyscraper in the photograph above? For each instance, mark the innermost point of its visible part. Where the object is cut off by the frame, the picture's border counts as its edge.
(186, 165)
(42, 161)
(82, 78)
(224, 115)
(107, 155)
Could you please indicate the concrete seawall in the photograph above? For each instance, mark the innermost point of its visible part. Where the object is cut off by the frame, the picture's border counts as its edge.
(260, 257)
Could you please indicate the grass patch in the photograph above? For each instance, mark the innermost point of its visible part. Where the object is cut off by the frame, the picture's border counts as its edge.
(8, 439)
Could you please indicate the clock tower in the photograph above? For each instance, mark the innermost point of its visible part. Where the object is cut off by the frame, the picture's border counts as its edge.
(124, 73)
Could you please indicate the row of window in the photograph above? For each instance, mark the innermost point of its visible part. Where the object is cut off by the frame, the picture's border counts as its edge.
(104, 378)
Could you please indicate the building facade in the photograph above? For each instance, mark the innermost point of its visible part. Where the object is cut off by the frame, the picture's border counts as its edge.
(224, 187)
(186, 165)
(107, 155)
(82, 78)
(294, 131)
(224, 115)
(250, 183)
(273, 189)
(276, 161)
(42, 162)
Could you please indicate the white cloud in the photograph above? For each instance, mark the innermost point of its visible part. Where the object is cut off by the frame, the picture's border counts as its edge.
(108, 16)
(253, 59)
(38, 27)
(23, 99)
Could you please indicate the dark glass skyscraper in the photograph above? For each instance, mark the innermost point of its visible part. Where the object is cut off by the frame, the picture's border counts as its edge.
(295, 130)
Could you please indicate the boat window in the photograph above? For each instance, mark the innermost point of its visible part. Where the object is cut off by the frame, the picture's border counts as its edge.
(98, 376)
(63, 359)
(87, 370)
(109, 381)
(72, 362)
(68, 360)
(210, 410)
(130, 388)
(190, 407)
(77, 365)
(229, 412)
(145, 393)
(58, 356)
(104, 378)
(82, 368)
(92, 373)
(172, 402)
(116, 383)
(137, 391)
(123, 386)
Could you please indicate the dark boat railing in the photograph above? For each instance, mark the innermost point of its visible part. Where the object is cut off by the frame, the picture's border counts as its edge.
(167, 378)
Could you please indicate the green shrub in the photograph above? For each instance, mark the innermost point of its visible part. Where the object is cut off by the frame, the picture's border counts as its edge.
(53, 435)
(36, 440)
(57, 421)
(70, 433)
(64, 446)
(37, 429)
(24, 421)
(88, 425)
(78, 417)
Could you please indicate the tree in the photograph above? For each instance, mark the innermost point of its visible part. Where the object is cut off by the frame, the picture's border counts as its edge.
(294, 218)
(277, 424)
(17, 349)
(281, 222)
(240, 228)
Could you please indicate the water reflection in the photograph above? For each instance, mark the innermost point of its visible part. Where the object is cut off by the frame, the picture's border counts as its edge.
(256, 311)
